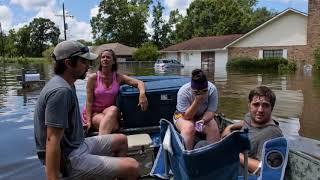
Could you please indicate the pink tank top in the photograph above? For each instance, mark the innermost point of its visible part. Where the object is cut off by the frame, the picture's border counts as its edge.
(103, 97)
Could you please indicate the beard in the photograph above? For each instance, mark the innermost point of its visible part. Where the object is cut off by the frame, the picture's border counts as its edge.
(83, 76)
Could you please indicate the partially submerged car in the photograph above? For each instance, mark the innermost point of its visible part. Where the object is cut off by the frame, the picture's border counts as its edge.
(167, 63)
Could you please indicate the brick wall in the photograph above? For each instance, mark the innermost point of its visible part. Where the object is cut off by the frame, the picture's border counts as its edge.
(295, 53)
(313, 32)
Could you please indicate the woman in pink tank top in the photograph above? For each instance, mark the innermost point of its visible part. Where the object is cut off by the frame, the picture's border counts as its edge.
(100, 112)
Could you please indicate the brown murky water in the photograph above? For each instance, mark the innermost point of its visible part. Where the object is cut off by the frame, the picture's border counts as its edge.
(297, 108)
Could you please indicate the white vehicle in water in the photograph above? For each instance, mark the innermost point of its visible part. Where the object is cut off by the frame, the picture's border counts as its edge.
(167, 63)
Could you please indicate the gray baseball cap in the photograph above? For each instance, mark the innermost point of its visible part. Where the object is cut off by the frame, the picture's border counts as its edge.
(66, 49)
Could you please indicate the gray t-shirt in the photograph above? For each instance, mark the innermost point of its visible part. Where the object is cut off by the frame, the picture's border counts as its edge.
(186, 97)
(258, 136)
(57, 106)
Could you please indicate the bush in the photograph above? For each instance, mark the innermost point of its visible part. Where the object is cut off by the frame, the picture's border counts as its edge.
(147, 52)
(290, 67)
(266, 64)
(317, 58)
(24, 60)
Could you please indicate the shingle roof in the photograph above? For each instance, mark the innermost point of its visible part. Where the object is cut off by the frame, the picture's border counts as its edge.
(119, 49)
(203, 43)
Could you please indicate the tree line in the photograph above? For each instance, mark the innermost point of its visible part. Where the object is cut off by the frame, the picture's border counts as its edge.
(123, 21)
(30, 40)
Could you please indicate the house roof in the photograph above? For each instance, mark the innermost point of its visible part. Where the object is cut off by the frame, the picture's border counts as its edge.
(119, 49)
(266, 23)
(203, 43)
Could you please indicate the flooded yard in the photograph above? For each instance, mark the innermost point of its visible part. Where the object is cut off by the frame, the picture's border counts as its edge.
(297, 109)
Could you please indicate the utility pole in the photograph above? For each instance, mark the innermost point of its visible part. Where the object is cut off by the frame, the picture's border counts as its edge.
(64, 22)
(64, 15)
(2, 43)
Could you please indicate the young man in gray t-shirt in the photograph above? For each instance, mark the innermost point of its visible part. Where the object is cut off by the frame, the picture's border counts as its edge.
(196, 105)
(260, 124)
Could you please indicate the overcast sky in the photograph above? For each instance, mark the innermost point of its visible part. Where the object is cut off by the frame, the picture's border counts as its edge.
(17, 13)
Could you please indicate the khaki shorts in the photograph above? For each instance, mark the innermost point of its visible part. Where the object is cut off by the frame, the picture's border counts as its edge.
(93, 160)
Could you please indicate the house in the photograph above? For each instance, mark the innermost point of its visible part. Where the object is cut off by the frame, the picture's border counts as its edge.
(200, 50)
(291, 34)
(285, 35)
(123, 52)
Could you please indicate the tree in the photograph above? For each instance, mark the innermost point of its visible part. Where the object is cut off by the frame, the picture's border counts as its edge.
(121, 21)
(10, 41)
(261, 15)
(43, 33)
(2, 44)
(174, 19)
(219, 17)
(23, 41)
(160, 27)
(147, 52)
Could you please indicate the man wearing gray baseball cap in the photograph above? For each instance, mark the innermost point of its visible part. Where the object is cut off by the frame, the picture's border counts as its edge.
(60, 142)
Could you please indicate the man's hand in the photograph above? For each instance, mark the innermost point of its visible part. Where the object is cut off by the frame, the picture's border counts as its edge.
(143, 102)
(232, 127)
(201, 97)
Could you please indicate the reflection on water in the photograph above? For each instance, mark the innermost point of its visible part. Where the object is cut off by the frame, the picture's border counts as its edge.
(298, 96)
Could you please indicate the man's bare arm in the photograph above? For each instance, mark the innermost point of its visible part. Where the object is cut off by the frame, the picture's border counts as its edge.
(232, 127)
(53, 152)
(253, 164)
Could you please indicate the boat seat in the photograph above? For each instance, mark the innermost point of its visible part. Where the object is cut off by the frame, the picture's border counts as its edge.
(217, 161)
(275, 157)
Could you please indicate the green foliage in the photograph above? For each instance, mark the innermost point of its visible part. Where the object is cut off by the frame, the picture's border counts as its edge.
(147, 52)
(317, 58)
(10, 48)
(23, 41)
(160, 28)
(285, 68)
(24, 60)
(175, 18)
(260, 16)
(220, 17)
(43, 33)
(267, 64)
(30, 40)
(121, 21)
(47, 53)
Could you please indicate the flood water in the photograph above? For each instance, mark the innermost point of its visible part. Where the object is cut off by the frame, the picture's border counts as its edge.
(297, 109)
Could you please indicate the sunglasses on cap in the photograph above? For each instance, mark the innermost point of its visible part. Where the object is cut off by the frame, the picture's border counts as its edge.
(83, 50)
(199, 92)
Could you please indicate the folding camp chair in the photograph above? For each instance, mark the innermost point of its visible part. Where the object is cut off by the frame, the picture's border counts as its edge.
(217, 161)
(275, 157)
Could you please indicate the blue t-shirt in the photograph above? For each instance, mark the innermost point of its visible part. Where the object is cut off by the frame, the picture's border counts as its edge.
(186, 97)
(57, 106)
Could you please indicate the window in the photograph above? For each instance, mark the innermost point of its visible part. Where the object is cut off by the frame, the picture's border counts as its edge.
(272, 53)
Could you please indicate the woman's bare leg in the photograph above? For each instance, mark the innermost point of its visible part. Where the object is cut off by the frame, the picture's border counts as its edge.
(108, 120)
